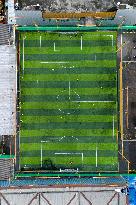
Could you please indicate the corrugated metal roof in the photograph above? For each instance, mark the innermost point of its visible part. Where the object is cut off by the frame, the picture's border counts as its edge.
(28, 17)
(64, 195)
(7, 90)
(123, 16)
(64, 181)
(23, 17)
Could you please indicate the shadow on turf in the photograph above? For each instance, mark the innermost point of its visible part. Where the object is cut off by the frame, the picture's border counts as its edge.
(47, 165)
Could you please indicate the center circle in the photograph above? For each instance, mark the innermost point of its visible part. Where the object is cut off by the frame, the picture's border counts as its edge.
(72, 99)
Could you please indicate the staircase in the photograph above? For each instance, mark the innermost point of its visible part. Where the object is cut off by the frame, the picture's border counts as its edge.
(6, 169)
(4, 34)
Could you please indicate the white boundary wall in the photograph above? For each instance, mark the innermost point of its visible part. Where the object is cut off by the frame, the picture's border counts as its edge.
(7, 90)
(11, 12)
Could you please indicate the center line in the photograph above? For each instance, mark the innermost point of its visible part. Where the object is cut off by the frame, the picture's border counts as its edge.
(54, 47)
(23, 53)
(54, 62)
(93, 101)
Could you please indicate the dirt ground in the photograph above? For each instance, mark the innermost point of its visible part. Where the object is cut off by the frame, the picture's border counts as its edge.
(129, 97)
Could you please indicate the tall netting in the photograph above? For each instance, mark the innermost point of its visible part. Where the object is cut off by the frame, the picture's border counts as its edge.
(68, 101)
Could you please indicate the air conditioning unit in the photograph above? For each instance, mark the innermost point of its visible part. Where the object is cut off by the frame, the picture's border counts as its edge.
(122, 6)
(125, 6)
(134, 5)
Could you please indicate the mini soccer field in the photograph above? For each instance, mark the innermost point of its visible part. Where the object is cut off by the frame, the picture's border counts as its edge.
(68, 101)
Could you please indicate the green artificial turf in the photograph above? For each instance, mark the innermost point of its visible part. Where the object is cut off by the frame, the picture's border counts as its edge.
(68, 100)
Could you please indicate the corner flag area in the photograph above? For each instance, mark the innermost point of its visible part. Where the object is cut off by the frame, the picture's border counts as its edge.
(68, 101)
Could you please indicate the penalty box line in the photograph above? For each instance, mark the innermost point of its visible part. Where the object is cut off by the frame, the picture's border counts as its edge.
(55, 62)
(70, 153)
(86, 101)
(24, 53)
(111, 36)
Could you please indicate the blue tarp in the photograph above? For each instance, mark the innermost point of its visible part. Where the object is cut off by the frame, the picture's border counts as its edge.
(132, 189)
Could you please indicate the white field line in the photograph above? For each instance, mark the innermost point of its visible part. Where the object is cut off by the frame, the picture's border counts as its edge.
(111, 36)
(69, 90)
(23, 53)
(54, 47)
(65, 136)
(55, 62)
(95, 57)
(94, 101)
(82, 157)
(70, 153)
(103, 35)
(41, 154)
(81, 43)
(40, 41)
(112, 40)
(74, 138)
(96, 154)
(113, 126)
(62, 138)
